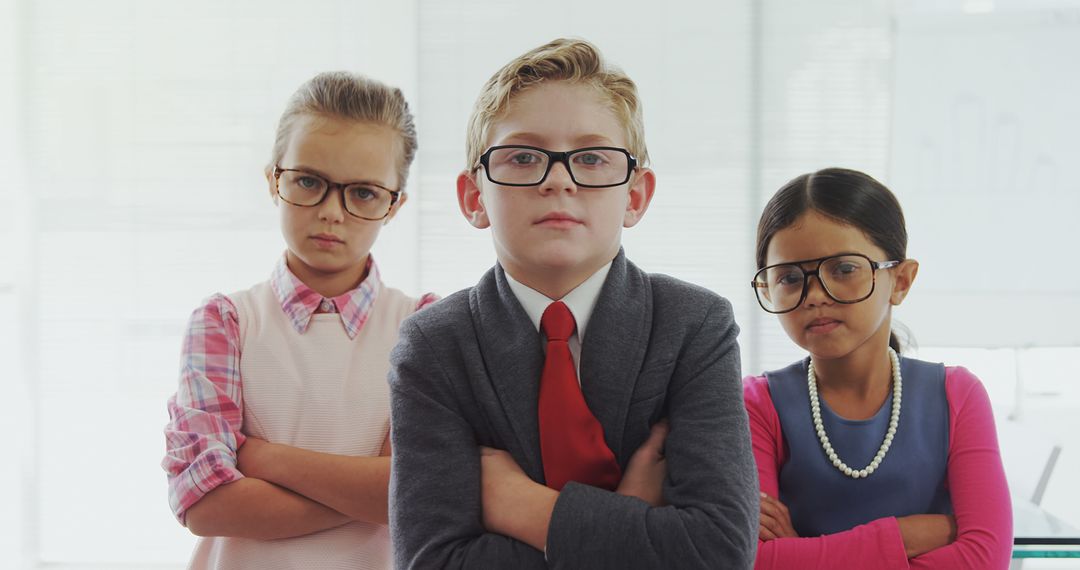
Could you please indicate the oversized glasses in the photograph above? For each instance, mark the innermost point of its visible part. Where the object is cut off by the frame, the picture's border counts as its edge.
(846, 278)
(365, 200)
(591, 167)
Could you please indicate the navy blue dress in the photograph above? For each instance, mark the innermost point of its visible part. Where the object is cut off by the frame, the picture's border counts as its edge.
(911, 478)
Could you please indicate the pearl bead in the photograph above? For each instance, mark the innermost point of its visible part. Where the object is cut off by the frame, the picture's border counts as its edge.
(894, 421)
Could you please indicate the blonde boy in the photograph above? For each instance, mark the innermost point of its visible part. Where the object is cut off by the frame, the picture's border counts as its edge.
(528, 411)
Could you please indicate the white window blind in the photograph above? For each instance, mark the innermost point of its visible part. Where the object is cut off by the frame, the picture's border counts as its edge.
(141, 131)
(147, 129)
(826, 97)
(688, 60)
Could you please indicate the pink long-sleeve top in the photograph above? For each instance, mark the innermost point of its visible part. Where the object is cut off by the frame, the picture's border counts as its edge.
(975, 480)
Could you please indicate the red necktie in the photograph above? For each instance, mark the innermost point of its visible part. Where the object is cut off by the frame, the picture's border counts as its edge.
(571, 439)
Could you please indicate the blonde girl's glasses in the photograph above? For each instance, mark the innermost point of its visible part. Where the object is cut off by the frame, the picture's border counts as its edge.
(365, 200)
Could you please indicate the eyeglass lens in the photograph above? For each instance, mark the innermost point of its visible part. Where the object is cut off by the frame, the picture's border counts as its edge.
(362, 200)
(846, 278)
(527, 166)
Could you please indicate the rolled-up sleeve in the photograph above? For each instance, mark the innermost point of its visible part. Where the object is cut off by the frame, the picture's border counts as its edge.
(206, 413)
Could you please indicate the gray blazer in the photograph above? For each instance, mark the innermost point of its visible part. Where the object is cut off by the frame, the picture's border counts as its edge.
(466, 373)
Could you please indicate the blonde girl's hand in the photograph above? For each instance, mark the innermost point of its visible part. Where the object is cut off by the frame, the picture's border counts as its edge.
(775, 520)
(647, 469)
(255, 457)
(386, 449)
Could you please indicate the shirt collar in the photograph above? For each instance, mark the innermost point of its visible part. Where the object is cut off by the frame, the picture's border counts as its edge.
(300, 301)
(580, 301)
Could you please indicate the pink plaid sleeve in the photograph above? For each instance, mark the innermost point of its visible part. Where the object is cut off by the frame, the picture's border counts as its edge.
(426, 300)
(206, 412)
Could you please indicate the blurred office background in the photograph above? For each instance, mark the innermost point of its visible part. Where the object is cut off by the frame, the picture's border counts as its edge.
(133, 136)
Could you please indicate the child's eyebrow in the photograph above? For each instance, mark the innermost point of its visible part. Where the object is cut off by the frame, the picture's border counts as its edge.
(593, 140)
(523, 138)
(312, 170)
(533, 139)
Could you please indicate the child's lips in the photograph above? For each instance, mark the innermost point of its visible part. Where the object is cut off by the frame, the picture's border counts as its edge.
(822, 325)
(559, 220)
(327, 240)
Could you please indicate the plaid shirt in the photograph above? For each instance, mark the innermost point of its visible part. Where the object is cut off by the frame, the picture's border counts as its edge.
(206, 413)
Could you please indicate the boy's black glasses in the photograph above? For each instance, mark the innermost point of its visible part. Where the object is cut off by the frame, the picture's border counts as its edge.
(846, 278)
(365, 200)
(591, 167)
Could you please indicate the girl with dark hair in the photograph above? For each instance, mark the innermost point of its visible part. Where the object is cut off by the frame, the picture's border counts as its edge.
(866, 459)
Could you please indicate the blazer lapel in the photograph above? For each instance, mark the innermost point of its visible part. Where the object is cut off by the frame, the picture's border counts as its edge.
(514, 358)
(614, 348)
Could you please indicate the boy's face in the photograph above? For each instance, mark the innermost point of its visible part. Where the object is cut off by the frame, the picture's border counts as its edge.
(554, 228)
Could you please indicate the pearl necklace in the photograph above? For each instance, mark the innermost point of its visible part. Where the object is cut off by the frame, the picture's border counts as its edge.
(894, 420)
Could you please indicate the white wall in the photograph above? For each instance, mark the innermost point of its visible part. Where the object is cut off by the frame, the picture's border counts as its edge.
(146, 129)
(132, 151)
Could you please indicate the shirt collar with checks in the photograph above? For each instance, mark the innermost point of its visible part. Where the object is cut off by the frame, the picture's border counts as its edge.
(300, 301)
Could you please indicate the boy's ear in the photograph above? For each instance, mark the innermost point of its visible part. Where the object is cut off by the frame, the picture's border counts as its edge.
(402, 198)
(470, 201)
(641, 192)
(905, 277)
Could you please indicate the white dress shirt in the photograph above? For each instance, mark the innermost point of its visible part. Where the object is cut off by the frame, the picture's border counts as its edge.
(580, 301)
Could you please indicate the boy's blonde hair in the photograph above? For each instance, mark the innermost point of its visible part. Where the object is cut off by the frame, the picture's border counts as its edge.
(560, 60)
(345, 95)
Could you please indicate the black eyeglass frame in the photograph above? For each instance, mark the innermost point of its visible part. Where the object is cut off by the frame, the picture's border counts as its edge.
(330, 185)
(874, 266)
(553, 157)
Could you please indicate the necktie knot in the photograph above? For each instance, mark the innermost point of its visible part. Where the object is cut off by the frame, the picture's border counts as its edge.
(557, 322)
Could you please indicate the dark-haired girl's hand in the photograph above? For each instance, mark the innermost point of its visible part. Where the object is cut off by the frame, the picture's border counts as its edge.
(923, 533)
(775, 520)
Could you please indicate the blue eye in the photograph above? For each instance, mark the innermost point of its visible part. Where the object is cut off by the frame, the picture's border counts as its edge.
(362, 193)
(590, 159)
(306, 182)
(524, 158)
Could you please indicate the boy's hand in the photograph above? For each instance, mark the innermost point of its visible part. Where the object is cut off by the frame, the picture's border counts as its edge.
(923, 533)
(501, 482)
(513, 504)
(647, 469)
(775, 520)
(255, 457)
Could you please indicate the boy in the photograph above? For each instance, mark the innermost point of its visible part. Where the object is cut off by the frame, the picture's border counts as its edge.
(503, 458)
